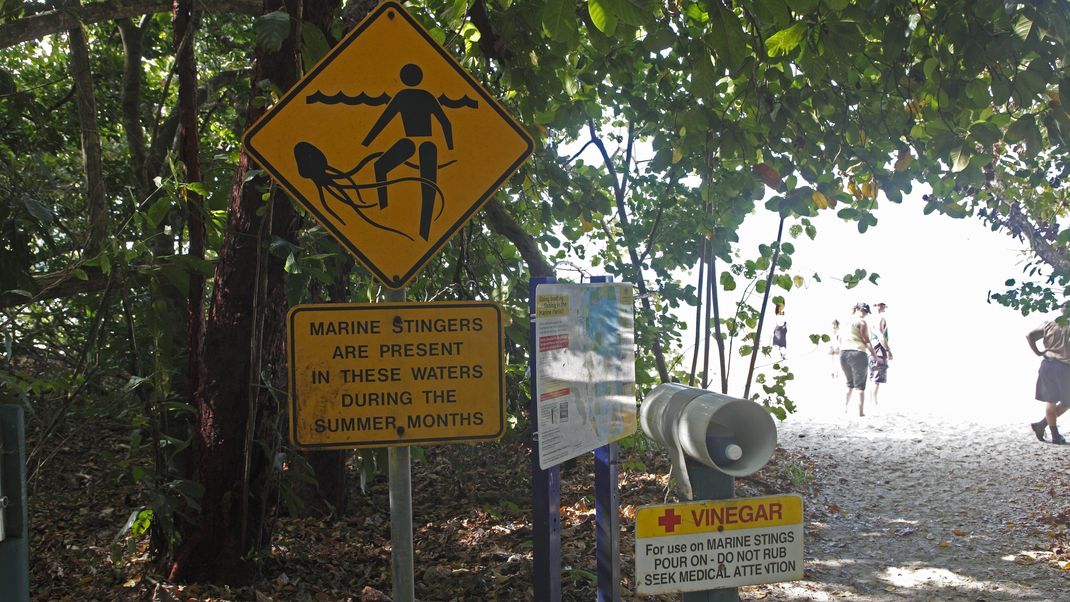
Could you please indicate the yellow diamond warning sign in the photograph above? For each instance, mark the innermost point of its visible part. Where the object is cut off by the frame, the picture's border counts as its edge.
(390, 144)
(370, 375)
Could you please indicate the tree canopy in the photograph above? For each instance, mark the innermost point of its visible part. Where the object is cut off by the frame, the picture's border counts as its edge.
(697, 114)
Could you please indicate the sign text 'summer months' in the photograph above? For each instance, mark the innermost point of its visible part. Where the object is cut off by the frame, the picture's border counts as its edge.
(403, 374)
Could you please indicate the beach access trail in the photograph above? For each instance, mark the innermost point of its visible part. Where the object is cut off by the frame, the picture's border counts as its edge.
(910, 505)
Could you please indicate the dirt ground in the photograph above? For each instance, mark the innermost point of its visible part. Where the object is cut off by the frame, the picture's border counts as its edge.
(899, 505)
(924, 506)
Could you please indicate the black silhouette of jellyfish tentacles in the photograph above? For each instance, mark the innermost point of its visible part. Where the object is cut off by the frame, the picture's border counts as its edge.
(416, 107)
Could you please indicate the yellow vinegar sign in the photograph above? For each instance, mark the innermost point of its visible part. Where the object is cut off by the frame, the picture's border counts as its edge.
(707, 545)
(372, 375)
(390, 144)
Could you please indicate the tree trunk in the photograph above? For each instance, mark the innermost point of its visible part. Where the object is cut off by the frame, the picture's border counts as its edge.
(328, 495)
(242, 357)
(189, 153)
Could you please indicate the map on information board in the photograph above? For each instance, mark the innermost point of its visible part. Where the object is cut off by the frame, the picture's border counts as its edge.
(585, 360)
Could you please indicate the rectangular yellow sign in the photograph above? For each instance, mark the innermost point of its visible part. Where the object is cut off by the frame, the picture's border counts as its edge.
(718, 544)
(372, 375)
(717, 516)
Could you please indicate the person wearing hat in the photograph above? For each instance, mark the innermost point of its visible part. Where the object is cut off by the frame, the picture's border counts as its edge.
(855, 354)
(1053, 378)
(878, 366)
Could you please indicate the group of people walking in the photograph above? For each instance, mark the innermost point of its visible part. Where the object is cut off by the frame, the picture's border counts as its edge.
(864, 352)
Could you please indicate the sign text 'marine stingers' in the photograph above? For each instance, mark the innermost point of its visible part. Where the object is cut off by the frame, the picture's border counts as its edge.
(390, 144)
(395, 374)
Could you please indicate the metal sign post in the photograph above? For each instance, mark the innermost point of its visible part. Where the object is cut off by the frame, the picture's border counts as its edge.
(14, 517)
(711, 484)
(607, 513)
(401, 549)
(545, 485)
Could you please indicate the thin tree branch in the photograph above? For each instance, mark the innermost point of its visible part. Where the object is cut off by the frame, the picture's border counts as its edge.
(56, 21)
(133, 38)
(765, 303)
(502, 223)
(81, 71)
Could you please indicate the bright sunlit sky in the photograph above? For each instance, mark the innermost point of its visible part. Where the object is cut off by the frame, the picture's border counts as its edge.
(955, 354)
(954, 351)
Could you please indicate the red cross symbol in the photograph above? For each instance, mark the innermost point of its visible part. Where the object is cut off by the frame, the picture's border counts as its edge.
(669, 520)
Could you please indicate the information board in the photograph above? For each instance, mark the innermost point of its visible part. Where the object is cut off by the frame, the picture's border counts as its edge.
(585, 381)
(718, 544)
(395, 374)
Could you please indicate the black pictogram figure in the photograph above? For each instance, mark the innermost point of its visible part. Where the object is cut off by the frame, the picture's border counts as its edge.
(416, 107)
(312, 164)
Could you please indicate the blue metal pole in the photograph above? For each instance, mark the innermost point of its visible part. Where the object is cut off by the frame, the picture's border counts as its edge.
(607, 513)
(545, 484)
(14, 516)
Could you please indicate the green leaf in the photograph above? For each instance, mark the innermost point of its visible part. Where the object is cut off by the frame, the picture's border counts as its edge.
(158, 210)
(728, 283)
(986, 133)
(1022, 26)
(786, 40)
(193, 264)
(703, 77)
(314, 45)
(802, 7)
(603, 19)
(929, 68)
(632, 12)
(837, 5)
(141, 523)
(559, 20)
(271, 30)
(727, 39)
(960, 158)
(1020, 129)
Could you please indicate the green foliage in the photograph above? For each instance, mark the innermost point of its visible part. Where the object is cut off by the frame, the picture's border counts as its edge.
(800, 477)
(272, 29)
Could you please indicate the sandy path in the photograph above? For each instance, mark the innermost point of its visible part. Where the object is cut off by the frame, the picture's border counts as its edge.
(914, 506)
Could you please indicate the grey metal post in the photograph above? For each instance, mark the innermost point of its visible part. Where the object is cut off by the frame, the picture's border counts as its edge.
(710, 484)
(14, 516)
(400, 469)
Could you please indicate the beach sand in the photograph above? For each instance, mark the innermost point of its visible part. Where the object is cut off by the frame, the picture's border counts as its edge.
(923, 499)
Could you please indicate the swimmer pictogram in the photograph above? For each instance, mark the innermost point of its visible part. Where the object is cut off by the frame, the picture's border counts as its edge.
(389, 144)
(416, 107)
